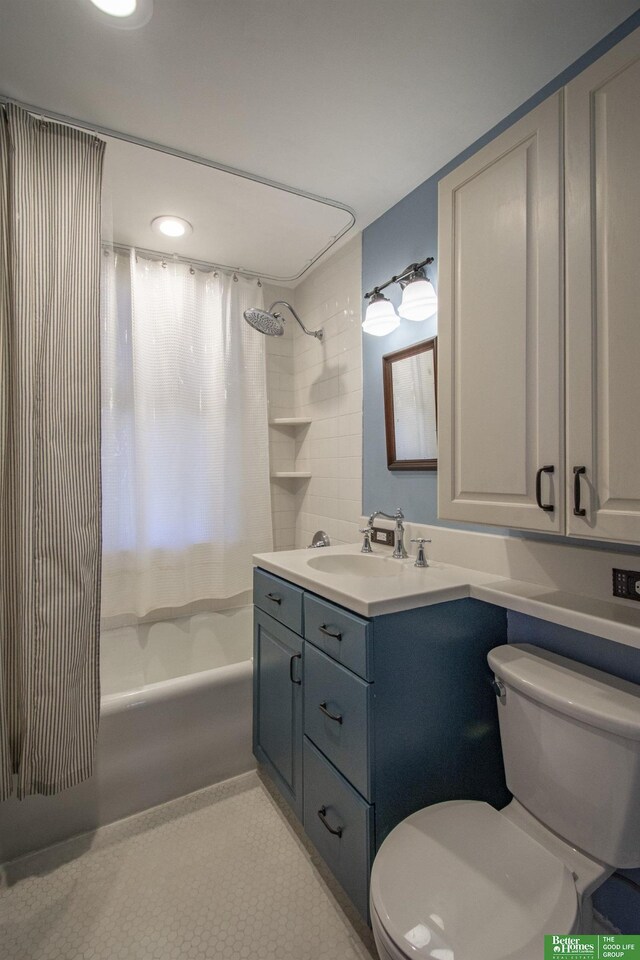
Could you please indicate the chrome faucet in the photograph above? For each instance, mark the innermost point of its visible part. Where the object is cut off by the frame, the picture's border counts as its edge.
(399, 551)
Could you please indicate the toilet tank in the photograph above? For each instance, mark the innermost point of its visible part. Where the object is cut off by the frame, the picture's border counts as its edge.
(571, 744)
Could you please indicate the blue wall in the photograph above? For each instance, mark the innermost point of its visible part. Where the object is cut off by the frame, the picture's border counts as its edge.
(406, 233)
(619, 898)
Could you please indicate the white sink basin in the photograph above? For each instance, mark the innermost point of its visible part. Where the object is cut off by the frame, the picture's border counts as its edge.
(358, 565)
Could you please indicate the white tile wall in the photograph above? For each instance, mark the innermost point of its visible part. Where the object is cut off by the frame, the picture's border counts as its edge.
(321, 381)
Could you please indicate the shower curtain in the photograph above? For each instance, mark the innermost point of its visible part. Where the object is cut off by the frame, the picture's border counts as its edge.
(50, 182)
(185, 458)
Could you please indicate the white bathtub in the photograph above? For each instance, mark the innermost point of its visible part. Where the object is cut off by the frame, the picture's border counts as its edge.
(175, 717)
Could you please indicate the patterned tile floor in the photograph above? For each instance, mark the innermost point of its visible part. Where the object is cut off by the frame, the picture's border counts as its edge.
(219, 875)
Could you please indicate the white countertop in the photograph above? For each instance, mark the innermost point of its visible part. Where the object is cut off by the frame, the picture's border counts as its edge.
(411, 587)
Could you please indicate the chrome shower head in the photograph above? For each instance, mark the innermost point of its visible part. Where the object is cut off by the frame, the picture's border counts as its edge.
(271, 324)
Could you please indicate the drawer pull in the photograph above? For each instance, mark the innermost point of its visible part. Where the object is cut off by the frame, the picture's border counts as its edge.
(336, 831)
(296, 656)
(332, 716)
(578, 472)
(328, 633)
(274, 598)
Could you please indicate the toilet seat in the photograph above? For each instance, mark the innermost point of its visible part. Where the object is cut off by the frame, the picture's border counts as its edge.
(458, 879)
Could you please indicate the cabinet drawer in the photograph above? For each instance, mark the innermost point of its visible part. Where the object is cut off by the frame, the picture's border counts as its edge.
(343, 635)
(347, 851)
(278, 598)
(336, 717)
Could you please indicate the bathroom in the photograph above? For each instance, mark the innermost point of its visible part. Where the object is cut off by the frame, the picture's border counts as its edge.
(198, 825)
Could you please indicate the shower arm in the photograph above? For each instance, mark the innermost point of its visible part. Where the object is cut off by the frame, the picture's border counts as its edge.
(318, 334)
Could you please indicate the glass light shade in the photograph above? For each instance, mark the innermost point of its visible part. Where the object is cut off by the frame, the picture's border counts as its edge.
(116, 8)
(380, 318)
(419, 300)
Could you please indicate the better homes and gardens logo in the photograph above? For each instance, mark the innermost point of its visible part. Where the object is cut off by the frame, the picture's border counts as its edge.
(595, 948)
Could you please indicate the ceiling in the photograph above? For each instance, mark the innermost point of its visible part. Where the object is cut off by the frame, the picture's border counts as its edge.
(356, 100)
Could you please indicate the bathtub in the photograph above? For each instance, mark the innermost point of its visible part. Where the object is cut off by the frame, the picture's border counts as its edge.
(175, 716)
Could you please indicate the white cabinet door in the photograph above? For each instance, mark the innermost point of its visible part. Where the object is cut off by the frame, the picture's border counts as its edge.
(500, 336)
(603, 295)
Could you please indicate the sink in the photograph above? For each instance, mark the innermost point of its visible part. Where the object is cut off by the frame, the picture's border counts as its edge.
(358, 565)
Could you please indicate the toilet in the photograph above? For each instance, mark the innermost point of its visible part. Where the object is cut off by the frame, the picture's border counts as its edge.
(460, 880)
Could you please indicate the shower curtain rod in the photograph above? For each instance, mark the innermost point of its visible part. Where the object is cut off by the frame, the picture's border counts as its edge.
(97, 129)
(189, 261)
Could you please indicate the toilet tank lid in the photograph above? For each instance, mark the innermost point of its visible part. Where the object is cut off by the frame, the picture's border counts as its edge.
(584, 693)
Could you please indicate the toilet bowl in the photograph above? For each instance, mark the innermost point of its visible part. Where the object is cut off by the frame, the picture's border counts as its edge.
(461, 880)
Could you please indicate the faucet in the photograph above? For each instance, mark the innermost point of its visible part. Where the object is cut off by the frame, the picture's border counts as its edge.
(399, 551)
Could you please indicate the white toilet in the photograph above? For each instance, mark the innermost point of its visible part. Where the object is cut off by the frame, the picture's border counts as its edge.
(463, 881)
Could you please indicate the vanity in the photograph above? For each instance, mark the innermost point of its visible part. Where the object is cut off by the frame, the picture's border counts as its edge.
(372, 696)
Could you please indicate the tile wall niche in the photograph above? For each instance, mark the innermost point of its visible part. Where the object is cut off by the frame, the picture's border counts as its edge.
(321, 382)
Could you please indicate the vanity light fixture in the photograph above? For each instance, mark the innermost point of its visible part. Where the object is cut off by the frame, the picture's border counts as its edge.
(419, 300)
(381, 317)
(171, 226)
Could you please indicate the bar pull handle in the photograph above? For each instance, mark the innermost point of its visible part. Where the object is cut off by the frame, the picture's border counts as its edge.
(332, 716)
(273, 598)
(296, 656)
(336, 831)
(547, 507)
(577, 510)
(328, 633)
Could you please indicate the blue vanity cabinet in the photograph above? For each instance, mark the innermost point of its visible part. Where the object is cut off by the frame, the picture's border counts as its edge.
(398, 712)
(277, 704)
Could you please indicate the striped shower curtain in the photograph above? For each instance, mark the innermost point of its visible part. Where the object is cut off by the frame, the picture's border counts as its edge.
(50, 181)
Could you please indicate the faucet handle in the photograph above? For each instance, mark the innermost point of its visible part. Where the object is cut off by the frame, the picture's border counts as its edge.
(421, 560)
(366, 543)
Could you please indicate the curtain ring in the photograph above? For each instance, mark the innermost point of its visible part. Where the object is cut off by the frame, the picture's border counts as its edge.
(259, 282)
(235, 277)
(164, 264)
(192, 271)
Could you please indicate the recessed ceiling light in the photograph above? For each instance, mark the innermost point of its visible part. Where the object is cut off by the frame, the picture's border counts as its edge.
(171, 226)
(116, 8)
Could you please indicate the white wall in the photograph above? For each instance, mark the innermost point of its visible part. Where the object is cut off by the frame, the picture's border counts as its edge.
(323, 382)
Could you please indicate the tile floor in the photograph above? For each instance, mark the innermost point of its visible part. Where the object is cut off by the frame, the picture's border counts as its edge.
(222, 874)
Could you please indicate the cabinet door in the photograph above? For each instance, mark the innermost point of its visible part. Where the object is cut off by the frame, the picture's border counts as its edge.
(277, 704)
(500, 337)
(603, 295)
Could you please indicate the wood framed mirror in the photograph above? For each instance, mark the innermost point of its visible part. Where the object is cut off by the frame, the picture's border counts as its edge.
(410, 406)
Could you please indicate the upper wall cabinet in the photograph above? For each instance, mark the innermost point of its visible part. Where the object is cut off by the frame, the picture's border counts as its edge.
(499, 329)
(508, 218)
(603, 296)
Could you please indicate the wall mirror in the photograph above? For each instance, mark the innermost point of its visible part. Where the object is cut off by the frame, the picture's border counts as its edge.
(410, 407)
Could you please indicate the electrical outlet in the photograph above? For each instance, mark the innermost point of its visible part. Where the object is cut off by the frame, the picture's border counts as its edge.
(381, 535)
(626, 584)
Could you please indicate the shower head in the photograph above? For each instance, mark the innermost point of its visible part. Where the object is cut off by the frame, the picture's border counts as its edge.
(272, 324)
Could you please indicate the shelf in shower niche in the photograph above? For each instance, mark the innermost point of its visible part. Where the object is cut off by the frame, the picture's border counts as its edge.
(290, 475)
(290, 422)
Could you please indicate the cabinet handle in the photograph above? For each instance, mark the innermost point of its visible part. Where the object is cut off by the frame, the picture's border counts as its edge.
(274, 598)
(577, 473)
(332, 716)
(296, 656)
(547, 507)
(334, 636)
(336, 831)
